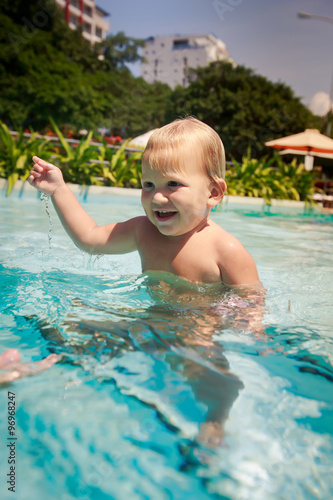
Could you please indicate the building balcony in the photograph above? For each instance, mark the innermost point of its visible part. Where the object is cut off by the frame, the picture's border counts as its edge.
(88, 15)
(74, 10)
(87, 19)
(88, 11)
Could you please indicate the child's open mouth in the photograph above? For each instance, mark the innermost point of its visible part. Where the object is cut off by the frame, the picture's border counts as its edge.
(163, 215)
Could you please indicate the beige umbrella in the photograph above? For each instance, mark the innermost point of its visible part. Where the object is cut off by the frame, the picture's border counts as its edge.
(141, 140)
(309, 143)
(295, 152)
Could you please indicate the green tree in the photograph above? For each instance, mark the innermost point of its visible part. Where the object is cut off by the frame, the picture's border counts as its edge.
(245, 108)
(116, 51)
(41, 65)
(47, 69)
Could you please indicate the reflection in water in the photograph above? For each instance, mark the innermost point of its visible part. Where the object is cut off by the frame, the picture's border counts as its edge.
(176, 335)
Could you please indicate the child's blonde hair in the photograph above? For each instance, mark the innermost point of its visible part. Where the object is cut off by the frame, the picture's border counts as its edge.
(164, 147)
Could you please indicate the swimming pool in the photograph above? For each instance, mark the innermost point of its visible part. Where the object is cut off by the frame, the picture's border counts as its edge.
(148, 357)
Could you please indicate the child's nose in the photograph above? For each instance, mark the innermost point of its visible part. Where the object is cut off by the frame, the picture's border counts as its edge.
(160, 197)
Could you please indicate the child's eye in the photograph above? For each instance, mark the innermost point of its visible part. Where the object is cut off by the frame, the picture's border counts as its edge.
(174, 184)
(147, 185)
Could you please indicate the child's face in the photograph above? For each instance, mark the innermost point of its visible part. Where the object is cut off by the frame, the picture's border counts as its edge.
(177, 202)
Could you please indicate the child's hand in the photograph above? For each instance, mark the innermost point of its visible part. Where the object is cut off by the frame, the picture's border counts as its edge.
(45, 176)
(11, 362)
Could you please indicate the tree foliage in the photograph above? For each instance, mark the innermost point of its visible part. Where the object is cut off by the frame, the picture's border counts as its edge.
(118, 50)
(49, 71)
(244, 108)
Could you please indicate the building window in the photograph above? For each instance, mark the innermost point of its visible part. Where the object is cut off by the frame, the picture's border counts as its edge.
(74, 20)
(75, 3)
(87, 28)
(98, 32)
(88, 11)
(181, 44)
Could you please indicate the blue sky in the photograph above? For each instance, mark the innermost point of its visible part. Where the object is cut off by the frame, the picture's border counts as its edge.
(265, 35)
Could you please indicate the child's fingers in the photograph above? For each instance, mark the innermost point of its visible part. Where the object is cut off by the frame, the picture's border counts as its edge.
(36, 171)
(42, 163)
(33, 176)
(9, 377)
(37, 168)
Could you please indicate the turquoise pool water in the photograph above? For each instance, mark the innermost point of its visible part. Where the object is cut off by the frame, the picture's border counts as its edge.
(148, 359)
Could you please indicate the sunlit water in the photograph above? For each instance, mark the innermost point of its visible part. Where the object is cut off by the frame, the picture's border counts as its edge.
(149, 358)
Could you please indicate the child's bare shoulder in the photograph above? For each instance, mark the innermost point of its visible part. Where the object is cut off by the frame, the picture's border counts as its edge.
(145, 230)
(143, 225)
(223, 240)
(235, 262)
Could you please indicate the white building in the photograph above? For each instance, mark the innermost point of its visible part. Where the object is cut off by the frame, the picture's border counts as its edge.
(88, 15)
(169, 57)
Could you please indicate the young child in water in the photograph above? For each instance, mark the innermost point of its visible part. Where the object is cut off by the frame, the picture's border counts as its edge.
(183, 169)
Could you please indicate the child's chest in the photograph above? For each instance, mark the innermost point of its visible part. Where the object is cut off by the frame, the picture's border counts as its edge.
(194, 259)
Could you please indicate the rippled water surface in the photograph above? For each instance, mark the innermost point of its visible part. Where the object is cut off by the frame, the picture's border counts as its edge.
(150, 361)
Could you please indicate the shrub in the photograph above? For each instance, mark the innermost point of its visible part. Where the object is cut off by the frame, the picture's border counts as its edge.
(16, 154)
(119, 168)
(269, 179)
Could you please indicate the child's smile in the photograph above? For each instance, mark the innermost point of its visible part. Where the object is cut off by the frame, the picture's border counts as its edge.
(164, 216)
(176, 202)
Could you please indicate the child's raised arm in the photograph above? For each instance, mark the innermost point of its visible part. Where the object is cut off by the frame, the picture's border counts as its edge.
(112, 238)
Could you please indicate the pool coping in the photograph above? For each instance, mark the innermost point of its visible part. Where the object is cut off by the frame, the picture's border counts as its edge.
(88, 194)
(83, 191)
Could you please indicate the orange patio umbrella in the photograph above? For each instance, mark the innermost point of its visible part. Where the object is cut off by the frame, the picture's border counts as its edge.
(309, 143)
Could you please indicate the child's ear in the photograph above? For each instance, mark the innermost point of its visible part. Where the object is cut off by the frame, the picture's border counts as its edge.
(217, 190)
